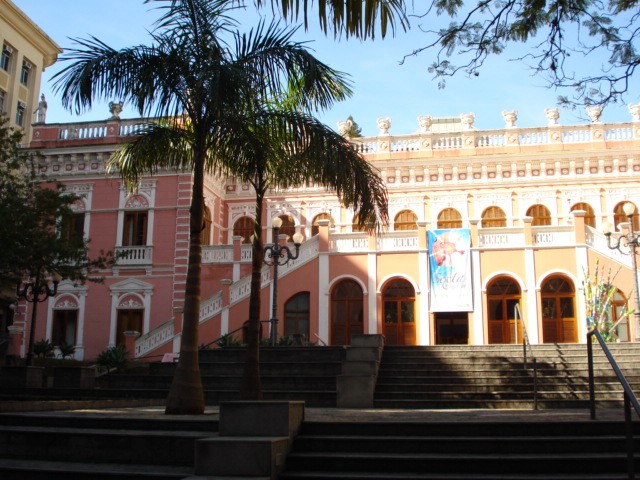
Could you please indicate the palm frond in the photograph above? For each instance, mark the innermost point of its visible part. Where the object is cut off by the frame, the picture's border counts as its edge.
(156, 147)
(277, 62)
(280, 148)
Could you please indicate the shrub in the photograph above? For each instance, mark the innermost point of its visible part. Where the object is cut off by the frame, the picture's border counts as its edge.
(66, 350)
(43, 348)
(115, 357)
(228, 341)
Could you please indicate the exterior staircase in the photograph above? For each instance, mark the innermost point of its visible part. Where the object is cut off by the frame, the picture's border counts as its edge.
(287, 373)
(99, 447)
(549, 450)
(495, 376)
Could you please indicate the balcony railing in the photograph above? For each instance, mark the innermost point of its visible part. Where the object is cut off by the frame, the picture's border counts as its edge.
(134, 255)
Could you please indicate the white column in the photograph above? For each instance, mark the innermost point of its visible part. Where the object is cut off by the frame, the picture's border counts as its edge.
(424, 327)
(323, 298)
(372, 275)
(478, 323)
(531, 320)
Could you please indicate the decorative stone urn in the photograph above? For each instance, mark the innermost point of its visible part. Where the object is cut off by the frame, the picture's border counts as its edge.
(467, 120)
(552, 114)
(425, 123)
(510, 117)
(384, 124)
(344, 127)
(634, 110)
(115, 108)
(594, 112)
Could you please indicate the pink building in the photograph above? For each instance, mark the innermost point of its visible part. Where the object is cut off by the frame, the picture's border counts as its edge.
(482, 221)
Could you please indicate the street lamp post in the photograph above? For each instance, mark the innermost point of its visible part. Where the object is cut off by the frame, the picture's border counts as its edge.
(278, 255)
(627, 243)
(36, 291)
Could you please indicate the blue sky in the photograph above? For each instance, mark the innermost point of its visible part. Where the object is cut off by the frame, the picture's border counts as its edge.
(383, 87)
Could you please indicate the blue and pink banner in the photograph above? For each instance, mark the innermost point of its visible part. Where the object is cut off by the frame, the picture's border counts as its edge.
(450, 270)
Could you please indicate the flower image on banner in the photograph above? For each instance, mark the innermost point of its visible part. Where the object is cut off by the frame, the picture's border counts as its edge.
(450, 270)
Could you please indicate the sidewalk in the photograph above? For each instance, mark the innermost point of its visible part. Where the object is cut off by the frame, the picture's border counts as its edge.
(383, 415)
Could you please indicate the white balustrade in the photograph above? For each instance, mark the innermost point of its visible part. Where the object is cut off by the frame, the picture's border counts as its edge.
(598, 241)
(134, 255)
(398, 241)
(217, 254)
(154, 339)
(553, 236)
(210, 307)
(501, 238)
(349, 242)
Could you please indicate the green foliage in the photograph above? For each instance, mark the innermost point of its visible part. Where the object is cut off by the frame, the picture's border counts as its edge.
(360, 19)
(560, 37)
(66, 350)
(33, 217)
(354, 131)
(228, 341)
(598, 294)
(113, 358)
(43, 348)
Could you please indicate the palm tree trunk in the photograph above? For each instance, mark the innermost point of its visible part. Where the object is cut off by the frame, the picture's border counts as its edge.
(186, 396)
(251, 387)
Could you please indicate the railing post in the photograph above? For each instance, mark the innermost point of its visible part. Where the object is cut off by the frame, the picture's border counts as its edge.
(592, 388)
(629, 431)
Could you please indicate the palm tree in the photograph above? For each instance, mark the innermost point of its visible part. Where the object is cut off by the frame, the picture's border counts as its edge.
(281, 147)
(196, 82)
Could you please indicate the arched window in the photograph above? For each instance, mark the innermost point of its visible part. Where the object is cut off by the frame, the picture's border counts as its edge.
(205, 235)
(288, 227)
(244, 227)
(135, 228)
(590, 216)
(315, 229)
(296, 315)
(449, 218)
(540, 214)
(620, 217)
(503, 294)
(405, 220)
(558, 310)
(136, 217)
(65, 321)
(493, 217)
(617, 315)
(346, 312)
(398, 298)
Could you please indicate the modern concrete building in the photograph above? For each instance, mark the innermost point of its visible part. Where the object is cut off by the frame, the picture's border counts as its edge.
(482, 222)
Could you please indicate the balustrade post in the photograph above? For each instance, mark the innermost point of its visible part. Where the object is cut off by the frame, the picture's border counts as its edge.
(528, 232)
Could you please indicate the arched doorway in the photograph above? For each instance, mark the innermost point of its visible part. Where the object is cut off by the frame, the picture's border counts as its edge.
(558, 311)
(503, 294)
(296, 316)
(449, 218)
(346, 312)
(315, 228)
(244, 227)
(540, 214)
(493, 217)
(589, 217)
(405, 220)
(398, 297)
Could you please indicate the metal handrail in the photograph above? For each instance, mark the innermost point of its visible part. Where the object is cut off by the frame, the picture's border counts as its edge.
(526, 344)
(239, 329)
(629, 397)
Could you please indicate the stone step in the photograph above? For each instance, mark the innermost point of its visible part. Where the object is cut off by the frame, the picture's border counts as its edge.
(11, 469)
(532, 450)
